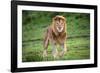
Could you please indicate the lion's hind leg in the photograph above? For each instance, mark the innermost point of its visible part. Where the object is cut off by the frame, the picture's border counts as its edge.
(45, 45)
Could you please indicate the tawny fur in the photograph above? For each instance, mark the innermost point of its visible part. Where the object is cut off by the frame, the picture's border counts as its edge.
(54, 37)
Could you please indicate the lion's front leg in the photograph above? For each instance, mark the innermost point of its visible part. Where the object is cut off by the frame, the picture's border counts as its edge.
(45, 53)
(64, 49)
(54, 51)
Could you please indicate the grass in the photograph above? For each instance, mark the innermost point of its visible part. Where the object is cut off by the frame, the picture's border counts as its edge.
(78, 48)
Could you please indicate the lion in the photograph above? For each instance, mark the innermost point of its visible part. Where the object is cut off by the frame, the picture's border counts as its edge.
(56, 35)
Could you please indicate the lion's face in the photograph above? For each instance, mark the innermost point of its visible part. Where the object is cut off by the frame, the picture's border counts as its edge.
(59, 23)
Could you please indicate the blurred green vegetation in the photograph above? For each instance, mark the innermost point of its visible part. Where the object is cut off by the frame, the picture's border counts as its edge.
(34, 25)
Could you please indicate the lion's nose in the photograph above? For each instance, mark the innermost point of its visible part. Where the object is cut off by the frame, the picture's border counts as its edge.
(59, 27)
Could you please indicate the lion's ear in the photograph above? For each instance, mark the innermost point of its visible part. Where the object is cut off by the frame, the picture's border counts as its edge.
(54, 18)
(65, 20)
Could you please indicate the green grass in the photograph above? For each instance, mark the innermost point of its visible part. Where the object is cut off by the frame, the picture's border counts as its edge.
(78, 48)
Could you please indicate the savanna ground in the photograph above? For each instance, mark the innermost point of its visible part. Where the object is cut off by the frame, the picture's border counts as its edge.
(34, 24)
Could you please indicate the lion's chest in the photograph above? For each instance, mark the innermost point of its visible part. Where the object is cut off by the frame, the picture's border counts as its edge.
(59, 39)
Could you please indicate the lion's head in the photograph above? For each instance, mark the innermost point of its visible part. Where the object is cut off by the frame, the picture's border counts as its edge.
(59, 24)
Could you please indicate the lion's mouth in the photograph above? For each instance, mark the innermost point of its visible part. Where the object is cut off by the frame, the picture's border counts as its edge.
(60, 29)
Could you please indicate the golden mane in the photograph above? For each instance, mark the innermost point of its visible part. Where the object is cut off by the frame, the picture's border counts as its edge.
(53, 23)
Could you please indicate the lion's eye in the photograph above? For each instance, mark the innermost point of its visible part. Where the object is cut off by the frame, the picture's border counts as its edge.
(57, 24)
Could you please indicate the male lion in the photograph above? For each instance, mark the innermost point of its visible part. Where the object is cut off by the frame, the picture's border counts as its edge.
(56, 34)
